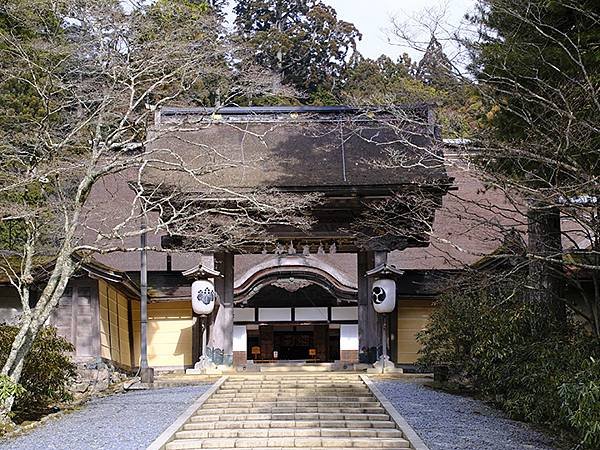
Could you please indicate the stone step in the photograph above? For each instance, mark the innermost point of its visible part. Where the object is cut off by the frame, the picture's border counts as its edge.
(287, 398)
(305, 380)
(293, 388)
(240, 387)
(289, 442)
(288, 411)
(294, 376)
(296, 379)
(293, 382)
(295, 393)
(333, 386)
(290, 416)
(219, 403)
(291, 401)
(296, 388)
(297, 409)
(389, 433)
(338, 383)
(255, 424)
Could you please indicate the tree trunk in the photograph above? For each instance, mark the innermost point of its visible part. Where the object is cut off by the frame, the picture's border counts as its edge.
(30, 326)
(545, 267)
(13, 367)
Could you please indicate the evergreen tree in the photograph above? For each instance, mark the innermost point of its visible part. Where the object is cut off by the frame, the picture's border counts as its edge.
(385, 82)
(301, 40)
(435, 69)
(537, 63)
(21, 109)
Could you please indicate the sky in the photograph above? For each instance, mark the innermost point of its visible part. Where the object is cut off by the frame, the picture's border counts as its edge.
(373, 19)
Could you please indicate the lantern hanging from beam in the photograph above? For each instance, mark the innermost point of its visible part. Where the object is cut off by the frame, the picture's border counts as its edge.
(203, 297)
(384, 295)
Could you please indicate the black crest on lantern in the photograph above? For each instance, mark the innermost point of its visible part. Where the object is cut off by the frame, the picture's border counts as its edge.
(206, 296)
(378, 295)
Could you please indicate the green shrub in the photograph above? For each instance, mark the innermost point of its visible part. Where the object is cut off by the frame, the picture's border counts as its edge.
(581, 403)
(47, 371)
(8, 388)
(487, 335)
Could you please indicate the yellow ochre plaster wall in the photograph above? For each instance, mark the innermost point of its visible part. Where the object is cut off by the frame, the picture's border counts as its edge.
(115, 338)
(169, 334)
(412, 318)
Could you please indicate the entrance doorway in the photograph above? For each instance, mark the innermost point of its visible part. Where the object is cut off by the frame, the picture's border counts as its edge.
(294, 344)
(291, 342)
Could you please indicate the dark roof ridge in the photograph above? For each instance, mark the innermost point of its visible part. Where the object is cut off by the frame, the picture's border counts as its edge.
(288, 109)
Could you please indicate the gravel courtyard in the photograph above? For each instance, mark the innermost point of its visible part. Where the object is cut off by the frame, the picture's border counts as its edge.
(451, 422)
(133, 420)
(124, 421)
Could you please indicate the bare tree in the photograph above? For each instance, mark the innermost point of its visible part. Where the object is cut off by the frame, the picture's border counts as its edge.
(531, 65)
(97, 72)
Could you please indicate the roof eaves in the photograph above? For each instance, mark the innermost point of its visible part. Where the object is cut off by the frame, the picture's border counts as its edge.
(266, 110)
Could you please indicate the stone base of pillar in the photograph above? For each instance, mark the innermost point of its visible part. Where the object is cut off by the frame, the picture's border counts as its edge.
(147, 375)
(204, 363)
(217, 356)
(239, 359)
(349, 356)
(384, 365)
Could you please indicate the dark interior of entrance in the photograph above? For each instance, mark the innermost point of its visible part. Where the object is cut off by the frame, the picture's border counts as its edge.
(289, 342)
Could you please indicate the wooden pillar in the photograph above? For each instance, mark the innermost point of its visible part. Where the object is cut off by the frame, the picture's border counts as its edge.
(266, 341)
(146, 373)
(196, 337)
(367, 318)
(321, 340)
(221, 329)
(380, 259)
(393, 332)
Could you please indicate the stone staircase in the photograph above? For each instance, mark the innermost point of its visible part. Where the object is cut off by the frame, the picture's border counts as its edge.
(285, 411)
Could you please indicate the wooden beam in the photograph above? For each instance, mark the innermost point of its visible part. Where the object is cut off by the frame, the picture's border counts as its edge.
(367, 318)
(221, 332)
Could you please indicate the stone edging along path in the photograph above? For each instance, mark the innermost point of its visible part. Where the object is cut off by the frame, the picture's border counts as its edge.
(168, 438)
(169, 434)
(409, 433)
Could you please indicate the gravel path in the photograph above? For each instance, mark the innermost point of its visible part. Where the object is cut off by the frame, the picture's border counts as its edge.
(450, 422)
(125, 421)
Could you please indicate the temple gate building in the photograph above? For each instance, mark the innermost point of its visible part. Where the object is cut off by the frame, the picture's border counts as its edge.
(284, 293)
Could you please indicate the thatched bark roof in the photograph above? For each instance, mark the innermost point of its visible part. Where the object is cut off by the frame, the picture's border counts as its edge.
(306, 149)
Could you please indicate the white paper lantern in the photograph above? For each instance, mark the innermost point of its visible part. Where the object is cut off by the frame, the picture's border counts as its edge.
(384, 296)
(203, 297)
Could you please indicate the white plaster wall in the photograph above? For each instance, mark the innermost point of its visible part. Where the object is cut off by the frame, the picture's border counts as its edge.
(275, 314)
(243, 314)
(344, 313)
(348, 337)
(312, 313)
(240, 338)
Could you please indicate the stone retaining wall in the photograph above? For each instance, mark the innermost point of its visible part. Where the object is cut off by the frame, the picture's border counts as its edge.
(96, 376)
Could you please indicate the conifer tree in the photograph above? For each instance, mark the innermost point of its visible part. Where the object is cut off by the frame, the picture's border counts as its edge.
(301, 40)
(537, 65)
(434, 68)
